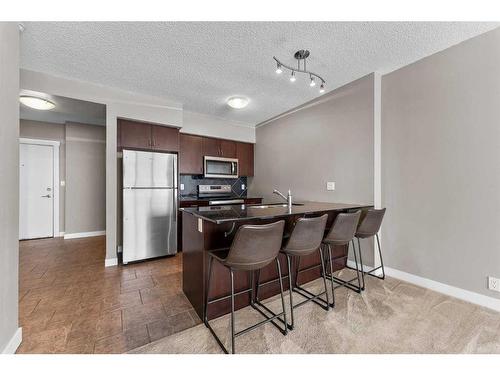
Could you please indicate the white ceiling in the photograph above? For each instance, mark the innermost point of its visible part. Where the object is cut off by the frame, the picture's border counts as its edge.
(201, 64)
(66, 110)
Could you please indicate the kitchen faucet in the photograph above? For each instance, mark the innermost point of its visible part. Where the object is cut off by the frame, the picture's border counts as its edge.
(288, 199)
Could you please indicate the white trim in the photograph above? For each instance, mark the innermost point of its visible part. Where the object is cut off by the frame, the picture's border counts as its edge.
(377, 153)
(366, 268)
(14, 342)
(61, 234)
(110, 262)
(55, 177)
(84, 234)
(465, 295)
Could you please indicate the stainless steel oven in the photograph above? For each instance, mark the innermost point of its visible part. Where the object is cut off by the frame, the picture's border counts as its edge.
(215, 167)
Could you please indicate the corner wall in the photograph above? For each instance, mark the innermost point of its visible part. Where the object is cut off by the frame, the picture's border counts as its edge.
(441, 165)
(10, 334)
(329, 139)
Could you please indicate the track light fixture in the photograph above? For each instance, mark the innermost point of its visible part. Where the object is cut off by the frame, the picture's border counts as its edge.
(301, 55)
(278, 69)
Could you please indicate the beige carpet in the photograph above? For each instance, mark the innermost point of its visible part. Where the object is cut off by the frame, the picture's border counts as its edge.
(389, 317)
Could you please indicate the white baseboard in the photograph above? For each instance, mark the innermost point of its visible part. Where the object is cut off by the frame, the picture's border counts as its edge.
(110, 262)
(61, 234)
(366, 268)
(84, 234)
(465, 295)
(14, 342)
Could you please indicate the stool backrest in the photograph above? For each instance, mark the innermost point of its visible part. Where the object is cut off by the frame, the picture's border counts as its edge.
(344, 227)
(370, 224)
(254, 246)
(307, 234)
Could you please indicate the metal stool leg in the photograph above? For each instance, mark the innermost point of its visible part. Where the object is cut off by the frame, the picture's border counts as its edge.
(290, 290)
(380, 254)
(205, 318)
(362, 285)
(331, 266)
(278, 265)
(323, 273)
(232, 312)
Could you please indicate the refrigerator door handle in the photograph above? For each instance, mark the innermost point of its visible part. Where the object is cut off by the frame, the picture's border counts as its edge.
(176, 211)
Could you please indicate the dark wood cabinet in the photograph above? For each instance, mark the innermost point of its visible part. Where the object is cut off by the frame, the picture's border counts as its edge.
(211, 146)
(219, 147)
(191, 154)
(164, 138)
(144, 136)
(227, 149)
(244, 153)
(134, 134)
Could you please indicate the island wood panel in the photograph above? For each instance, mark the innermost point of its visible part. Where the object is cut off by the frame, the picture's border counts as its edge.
(195, 250)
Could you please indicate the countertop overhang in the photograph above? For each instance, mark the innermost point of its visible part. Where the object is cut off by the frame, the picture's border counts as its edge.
(241, 212)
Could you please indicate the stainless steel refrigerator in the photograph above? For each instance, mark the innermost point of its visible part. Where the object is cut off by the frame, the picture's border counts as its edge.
(149, 205)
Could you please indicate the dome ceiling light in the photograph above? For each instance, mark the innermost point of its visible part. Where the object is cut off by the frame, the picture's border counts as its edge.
(237, 102)
(301, 55)
(37, 103)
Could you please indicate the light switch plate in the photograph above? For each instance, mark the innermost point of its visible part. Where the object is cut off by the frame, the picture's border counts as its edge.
(63, 183)
(182, 186)
(330, 185)
(493, 284)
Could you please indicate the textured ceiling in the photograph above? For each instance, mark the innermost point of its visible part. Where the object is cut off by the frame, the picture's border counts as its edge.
(66, 110)
(201, 64)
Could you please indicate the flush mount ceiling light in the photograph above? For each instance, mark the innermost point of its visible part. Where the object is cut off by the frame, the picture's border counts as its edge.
(36, 103)
(237, 102)
(301, 55)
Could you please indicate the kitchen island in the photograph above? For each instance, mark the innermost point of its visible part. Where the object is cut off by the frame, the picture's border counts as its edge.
(210, 228)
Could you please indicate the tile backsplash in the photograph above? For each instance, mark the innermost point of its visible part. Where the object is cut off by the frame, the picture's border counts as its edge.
(191, 183)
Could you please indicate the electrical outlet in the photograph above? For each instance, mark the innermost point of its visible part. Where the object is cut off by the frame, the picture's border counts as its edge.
(493, 284)
(182, 186)
(330, 185)
(243, 186)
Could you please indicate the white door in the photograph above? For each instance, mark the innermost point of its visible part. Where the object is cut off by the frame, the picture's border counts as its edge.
(36, 196)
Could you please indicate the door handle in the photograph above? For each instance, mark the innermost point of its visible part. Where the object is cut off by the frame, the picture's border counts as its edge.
(46, 196)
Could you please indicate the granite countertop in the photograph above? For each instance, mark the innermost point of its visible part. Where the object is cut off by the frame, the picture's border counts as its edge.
(240, 212)
(194, 197)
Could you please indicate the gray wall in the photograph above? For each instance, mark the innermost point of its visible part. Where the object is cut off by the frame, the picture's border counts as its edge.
(329, 141)
(9, 180)
(441, 165)
(85, 178)
(52, 132)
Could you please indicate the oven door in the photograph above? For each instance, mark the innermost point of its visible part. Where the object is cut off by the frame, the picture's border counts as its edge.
(215, 167)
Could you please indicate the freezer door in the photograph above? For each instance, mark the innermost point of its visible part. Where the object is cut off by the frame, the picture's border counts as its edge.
(143, 169)
(149, 223)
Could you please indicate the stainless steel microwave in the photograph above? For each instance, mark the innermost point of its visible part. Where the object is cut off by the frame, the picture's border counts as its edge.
(215, 167)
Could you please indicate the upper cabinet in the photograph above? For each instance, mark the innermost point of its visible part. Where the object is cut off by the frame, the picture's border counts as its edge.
(134, 134)
(164, 138)
(219, 147)
(144, 136)
(244, 153)
(191, 154)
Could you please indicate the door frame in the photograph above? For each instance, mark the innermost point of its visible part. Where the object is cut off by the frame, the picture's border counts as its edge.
(55, 177)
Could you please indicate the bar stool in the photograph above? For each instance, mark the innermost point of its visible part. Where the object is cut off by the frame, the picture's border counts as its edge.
(342, 233)
(304, 239)
(253, 248)
(369, 227)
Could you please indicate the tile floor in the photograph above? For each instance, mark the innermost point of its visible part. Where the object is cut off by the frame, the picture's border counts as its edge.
(70, 303)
